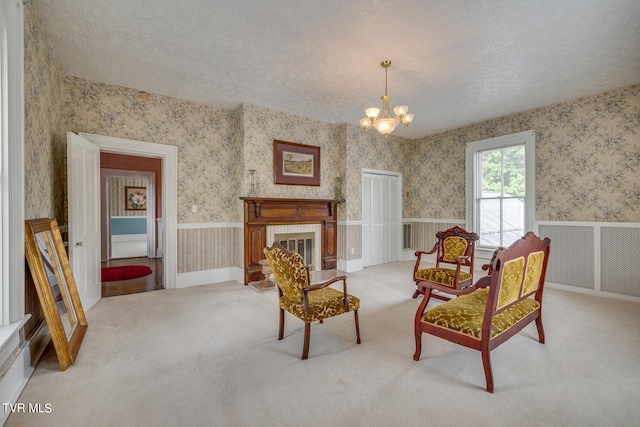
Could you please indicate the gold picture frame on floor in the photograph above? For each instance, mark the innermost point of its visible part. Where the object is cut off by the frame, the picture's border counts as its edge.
(56, 288)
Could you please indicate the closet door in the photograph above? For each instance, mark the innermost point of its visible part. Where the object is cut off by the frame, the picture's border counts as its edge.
(381, 218)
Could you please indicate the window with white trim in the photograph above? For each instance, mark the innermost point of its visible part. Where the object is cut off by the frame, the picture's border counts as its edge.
(11, 162)
(3, 148)
(501, 188)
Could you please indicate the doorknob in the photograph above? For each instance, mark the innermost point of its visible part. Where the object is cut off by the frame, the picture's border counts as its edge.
(79, 243)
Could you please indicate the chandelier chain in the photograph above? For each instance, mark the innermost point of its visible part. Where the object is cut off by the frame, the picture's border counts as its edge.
(385, 80)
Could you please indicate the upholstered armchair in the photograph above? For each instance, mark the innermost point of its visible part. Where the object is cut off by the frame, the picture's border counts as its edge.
(504, 303)
(309, 303)
(453, 273)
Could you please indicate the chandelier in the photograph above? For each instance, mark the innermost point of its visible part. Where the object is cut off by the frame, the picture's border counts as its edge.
(386, 124)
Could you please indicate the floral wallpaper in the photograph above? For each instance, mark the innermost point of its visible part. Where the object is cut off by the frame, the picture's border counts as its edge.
(209, 156)
(262, 126)
(43, 121)
(587, 153)
(587, 161)
(117, 196)
(370, 150)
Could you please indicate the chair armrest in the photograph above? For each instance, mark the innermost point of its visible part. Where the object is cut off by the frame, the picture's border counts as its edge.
(483, 282)
(488, 269)
(419, 255)
(459, 261)
(463, 258)
(323, 285)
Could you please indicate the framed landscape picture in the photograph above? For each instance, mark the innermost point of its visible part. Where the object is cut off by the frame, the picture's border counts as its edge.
(135, 198)
(296, 164)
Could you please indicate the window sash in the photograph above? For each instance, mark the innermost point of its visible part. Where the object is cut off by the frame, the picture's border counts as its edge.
(520, 217)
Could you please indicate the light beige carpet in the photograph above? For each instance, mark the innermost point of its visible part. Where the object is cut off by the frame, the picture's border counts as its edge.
(209, 355)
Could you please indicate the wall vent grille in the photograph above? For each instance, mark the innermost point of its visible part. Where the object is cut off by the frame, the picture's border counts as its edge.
(406, 236)
(571, 255)
(620, 260)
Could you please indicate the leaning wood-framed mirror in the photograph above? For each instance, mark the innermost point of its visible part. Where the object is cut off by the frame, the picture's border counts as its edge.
(56, 288)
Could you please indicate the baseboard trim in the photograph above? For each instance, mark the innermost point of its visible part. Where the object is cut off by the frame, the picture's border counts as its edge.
(205, 277)
(592, 292)
(20, 371)
(350, 265)
(15, 381)
(408, 255)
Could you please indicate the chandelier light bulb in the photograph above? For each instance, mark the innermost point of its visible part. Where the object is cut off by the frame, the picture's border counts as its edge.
(386, 126)
(372, 113)
(407, 119)
(400, 110)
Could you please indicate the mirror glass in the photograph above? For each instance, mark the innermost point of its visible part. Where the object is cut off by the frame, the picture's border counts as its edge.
(57, 282)
(56, 288)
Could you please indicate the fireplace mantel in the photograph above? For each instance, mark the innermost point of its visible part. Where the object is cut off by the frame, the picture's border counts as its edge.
(260, 212)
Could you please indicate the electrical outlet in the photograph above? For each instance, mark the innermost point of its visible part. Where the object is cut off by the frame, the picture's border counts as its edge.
(194, 208)
(353, 251)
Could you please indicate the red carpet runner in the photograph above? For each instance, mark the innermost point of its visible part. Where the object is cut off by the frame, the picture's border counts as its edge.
(110, 274)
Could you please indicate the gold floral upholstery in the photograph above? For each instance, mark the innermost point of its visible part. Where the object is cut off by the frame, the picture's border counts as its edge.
(466, 313)
(534, 270)
(498, 306)
(443, 276)
(323, 303)
(512, 273)
(308, 303)
(455, 249)
(289, 271)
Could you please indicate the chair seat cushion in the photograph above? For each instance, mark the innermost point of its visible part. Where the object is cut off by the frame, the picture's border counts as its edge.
(323, 303)
(465, 313)
(442, 276)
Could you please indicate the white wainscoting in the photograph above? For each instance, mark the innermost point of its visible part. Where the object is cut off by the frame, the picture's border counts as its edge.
(597, 258)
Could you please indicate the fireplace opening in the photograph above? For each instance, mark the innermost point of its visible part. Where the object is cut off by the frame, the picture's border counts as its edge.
(302, 243)
(302, 238)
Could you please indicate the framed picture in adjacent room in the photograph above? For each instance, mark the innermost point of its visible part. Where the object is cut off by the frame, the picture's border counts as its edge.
(296, 164)
(135, 198)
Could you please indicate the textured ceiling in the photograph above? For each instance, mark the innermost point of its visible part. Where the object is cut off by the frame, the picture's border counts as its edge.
(454, 62)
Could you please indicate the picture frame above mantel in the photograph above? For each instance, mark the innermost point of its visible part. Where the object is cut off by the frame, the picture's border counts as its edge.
(296, 164)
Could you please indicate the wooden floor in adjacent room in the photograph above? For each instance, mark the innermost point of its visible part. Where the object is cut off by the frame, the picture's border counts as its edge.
(152, 282)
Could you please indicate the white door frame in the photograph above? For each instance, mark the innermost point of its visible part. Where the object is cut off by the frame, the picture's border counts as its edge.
(399, 205)
(169, 156)
(107, 173)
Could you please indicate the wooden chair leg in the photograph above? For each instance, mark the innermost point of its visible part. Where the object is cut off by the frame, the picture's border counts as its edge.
(417, 292)
(418, 322)
(281, 332)
(355, 314)
(540, 329)
(486, 362)
(305, 348)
